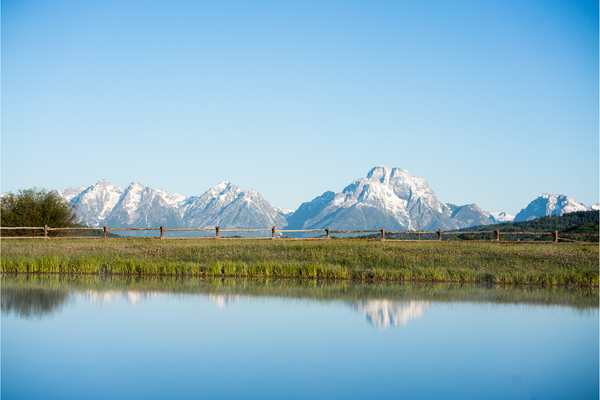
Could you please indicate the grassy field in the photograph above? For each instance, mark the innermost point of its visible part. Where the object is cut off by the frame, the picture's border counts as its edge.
(575, 265)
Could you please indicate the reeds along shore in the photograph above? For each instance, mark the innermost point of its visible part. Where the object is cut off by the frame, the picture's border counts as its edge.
(575, 265)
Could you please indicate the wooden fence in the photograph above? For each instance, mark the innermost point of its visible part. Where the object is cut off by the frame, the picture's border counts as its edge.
(280, 234)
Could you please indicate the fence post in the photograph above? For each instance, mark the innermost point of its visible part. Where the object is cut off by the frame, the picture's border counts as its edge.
(273, 232)
(328, 236)
(104, 228)
(45, 230)
(162, 232)
(497, 235)
(217, 231)
(555, 237)
(439, 234)
(382, 233)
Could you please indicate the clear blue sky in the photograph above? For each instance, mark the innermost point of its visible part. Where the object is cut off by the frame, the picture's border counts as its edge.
(492, 103)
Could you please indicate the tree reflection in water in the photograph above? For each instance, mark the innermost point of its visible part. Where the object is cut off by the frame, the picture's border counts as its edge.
(33, 303)
(384, 304)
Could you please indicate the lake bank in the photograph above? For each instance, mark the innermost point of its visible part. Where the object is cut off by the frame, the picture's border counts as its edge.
(575, 265)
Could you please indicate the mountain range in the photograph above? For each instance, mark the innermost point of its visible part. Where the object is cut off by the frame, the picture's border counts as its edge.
(386, 197)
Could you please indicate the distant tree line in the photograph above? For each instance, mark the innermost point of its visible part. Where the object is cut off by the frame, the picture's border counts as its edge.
(579, 222)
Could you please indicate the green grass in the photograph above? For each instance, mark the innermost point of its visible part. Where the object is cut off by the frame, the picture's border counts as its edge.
(575, 265)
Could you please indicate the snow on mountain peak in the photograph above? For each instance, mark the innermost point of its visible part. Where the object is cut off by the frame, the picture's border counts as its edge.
(222, 186)
(227, 205)
(133, 196)
(138, 206)
(70, 193)
(387, 197)
(96, 201)
(502, 217)
(549, 204)
(382, 174)
(102, 183)
(173, 199)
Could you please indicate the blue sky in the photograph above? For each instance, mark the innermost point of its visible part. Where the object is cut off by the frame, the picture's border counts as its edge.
(492, 103)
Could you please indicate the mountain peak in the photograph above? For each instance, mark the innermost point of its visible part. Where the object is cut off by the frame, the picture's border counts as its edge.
(227, 205)
(502, 216)
(549, 204)
(389, 197)
(103, 182)
(222, 186)
(380, 172)
(135, 185)
(386, 175)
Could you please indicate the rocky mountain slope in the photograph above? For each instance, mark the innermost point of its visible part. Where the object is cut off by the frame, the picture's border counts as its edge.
(228, 206)
(138, 206)
(387, 197)
(549, 204)
(502, 217)
(390, 198)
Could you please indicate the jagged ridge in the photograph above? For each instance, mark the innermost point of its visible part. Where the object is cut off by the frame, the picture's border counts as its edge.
(387, 197)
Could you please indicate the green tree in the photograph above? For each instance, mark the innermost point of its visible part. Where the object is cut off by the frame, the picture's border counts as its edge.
(36, 207)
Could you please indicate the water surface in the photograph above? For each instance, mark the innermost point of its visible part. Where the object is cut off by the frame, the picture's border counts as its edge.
(73, 337)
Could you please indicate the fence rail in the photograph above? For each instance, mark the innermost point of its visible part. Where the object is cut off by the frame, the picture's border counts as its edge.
(280, 234)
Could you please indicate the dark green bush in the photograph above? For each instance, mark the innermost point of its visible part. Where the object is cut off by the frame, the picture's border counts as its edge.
(36, 208)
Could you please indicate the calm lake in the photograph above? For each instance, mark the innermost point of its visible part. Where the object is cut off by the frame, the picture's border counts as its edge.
(103, 337)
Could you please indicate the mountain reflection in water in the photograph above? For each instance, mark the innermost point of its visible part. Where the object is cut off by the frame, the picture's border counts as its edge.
(223, 300)
(385, 313)
(384, 304)
(109, 336)
(101, 298)
(380, 313)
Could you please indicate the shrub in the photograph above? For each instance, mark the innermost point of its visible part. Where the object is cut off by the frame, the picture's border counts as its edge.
(36, 207)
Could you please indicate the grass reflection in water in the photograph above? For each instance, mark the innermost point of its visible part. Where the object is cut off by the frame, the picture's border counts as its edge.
(34, 295)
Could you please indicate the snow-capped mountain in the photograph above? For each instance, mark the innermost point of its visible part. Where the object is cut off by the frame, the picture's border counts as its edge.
(70, 193)
(390, 198)
(387, 197)
(309, 210)
(138, 206)
(96, 202)
(228, 206)
(549, 204)
(503, 217)
(470, 215)
(144, 207)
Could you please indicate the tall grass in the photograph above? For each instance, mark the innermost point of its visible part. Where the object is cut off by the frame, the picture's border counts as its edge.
(575, 265)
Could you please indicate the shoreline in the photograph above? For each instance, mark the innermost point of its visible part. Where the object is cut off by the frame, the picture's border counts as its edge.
(473, 262)
(300, 278)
